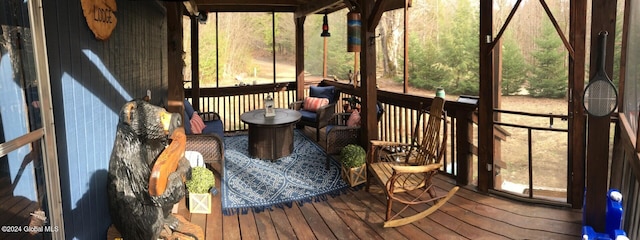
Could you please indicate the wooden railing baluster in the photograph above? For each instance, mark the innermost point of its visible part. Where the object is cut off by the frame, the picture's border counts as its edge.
(401, 112)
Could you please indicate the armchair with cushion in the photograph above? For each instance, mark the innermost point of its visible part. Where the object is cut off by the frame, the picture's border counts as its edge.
(202, 123)
(344, 129)
(209, 145)
(318, 108)
(208, 136)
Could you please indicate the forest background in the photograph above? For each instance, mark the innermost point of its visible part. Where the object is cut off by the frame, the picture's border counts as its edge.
(259, 48)
(240, 48)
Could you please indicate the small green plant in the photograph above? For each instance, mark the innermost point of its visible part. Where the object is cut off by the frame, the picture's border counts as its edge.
(352, 156)
(201, 181)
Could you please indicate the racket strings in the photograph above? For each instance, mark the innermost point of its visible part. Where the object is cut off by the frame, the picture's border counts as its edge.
(600, 98)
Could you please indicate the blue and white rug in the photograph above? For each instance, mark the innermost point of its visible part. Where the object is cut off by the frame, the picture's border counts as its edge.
(250, 183)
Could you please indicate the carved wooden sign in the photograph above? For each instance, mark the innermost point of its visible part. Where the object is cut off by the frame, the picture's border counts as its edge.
(100, 16)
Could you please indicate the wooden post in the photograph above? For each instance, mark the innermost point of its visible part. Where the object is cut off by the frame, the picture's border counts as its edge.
(498, 162)
(598, 127)
(405, 67)
(324, 57)
(577, 119)
(175, 93)
(356, 69)
(368, 91)
(485, 107)
(300, 58)
(195, 64)
(464, 139)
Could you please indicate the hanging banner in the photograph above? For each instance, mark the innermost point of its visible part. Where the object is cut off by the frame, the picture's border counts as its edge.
(100, 16)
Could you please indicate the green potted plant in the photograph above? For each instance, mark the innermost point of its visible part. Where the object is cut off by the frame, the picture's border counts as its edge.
(353, 159)
(201, 182)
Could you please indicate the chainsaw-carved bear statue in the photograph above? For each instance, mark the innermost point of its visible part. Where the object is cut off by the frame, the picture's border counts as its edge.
(141, 136)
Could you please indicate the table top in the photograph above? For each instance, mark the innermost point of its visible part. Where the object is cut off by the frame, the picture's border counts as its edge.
(283, 116)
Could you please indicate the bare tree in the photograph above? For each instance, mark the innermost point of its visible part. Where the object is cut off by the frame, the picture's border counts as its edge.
(391, 35)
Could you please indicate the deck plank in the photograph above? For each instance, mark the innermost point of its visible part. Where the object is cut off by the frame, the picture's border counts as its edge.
(430, 225)
(546, 212)
(373, 220)
(530, 226)
(15, 211)
(248, 226)
(283, 225)
(353, 221)
(213, 230)
(335, 223)
(265, 226)
(377, 204)
(298, 222)
(315, 221)
(199, 219)
(230, 227)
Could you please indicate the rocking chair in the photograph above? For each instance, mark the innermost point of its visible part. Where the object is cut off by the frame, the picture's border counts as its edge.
(405, 171)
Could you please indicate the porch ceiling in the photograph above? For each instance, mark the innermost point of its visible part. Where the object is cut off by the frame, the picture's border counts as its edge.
(299, 7)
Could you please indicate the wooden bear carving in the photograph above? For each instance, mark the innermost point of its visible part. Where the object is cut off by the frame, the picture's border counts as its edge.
(140, 209)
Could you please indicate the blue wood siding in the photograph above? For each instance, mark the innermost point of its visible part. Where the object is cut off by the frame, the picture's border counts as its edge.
(14, 124)
(90, 81)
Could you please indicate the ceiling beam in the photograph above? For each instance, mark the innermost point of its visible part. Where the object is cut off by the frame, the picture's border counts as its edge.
(191, 7)
(245, 8)
(250, 2)
(317, 7)
(248, 5)
(376, 14)
(351, 5)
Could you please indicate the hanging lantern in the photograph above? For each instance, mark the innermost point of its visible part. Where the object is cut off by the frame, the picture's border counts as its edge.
(325, 27)
(354, 26)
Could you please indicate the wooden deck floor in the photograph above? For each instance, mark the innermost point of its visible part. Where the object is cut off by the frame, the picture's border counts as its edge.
(359, 215)
(15, 211)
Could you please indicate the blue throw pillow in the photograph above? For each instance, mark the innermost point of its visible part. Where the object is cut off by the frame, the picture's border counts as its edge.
(188, 110)
(328, 92)
(187, 123)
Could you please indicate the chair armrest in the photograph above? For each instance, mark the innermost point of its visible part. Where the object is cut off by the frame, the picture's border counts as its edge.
(381, 144)
(209, 116)
(296, 105)
(339, 119)
(391, 148)
(416, 169)
(325, 113)
(340, 136)
(210, 146)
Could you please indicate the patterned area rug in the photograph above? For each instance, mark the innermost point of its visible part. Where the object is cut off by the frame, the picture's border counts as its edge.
(256, 184)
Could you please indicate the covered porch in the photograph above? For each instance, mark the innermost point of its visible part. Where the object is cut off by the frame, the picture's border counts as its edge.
(473, 160)
(88, 80)
(359, 215)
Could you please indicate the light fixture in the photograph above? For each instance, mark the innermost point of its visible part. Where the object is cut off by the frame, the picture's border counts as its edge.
(325, 27)
(202, 17)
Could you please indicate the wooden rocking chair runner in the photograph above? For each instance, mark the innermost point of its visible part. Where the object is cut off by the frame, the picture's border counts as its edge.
(401, 168)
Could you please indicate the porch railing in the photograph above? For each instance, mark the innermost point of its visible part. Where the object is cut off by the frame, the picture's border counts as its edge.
(231, 102)
(399, 121)
(625, 175)
(397, 124)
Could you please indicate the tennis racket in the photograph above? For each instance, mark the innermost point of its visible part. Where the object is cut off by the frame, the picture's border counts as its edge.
(600, 96)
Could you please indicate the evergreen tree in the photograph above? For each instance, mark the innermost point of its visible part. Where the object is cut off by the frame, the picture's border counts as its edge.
(424, 69)
(514, 67)
(460, 49)
(549, 75)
